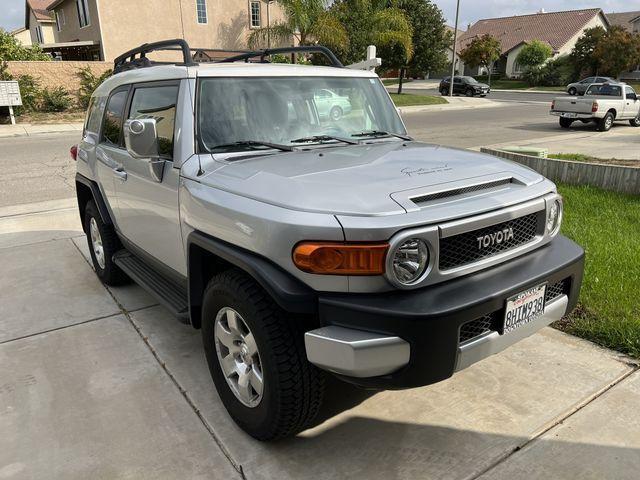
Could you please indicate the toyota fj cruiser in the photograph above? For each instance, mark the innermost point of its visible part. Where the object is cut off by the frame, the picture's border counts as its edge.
(302, 239)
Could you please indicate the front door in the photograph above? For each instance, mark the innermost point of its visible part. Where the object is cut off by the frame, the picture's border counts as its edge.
(147, 209)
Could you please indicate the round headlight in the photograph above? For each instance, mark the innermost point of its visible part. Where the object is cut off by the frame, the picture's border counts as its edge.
(410, 260)
(553, 217)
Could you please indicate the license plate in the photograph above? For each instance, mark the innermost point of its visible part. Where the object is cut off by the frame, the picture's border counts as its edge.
(569, 115)
(524, 307)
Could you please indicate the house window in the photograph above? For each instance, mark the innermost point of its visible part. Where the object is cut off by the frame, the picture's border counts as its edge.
(60, 19)
(201, 11)
(83, 13)
(255, 14)
(39, 34)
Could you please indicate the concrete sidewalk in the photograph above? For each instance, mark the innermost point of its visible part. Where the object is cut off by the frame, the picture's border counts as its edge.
(102, 383)
(27, 129)
(621, 142)
(454, 103)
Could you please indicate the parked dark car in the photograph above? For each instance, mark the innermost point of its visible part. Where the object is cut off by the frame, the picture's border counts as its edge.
(468, 86)
(578, 88)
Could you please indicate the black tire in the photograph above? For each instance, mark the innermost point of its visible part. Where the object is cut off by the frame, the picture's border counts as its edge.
(444, 92)
(573, 91)
(292, 387)
(336, 113)
(108, 272)
(565, 122)
(605, 123)
(469, 92)
(635, 122)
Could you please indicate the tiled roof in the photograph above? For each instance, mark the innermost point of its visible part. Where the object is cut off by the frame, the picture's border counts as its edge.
(39, 8)
(623, 19)
(554, 28)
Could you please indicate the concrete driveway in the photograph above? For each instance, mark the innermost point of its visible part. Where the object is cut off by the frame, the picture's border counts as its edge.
(102, 383)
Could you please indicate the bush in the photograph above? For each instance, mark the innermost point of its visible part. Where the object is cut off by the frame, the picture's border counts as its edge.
(88, 84)
(555, 73)
(12, 49)
(56, 99)
(31, 93)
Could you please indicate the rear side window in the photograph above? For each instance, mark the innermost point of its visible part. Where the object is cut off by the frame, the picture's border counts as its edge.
(94, 114)
(158, 103)
(112, 124)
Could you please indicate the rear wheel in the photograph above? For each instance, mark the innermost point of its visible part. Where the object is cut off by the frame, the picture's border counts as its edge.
(605, 124)
(336, 113)
(565, 122)
(257, 359)
(573, 91)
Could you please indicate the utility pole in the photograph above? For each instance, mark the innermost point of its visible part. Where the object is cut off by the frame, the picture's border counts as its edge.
(268, 24)
(455, 44)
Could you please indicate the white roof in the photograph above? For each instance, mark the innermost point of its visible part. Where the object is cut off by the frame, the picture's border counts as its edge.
(237, 69)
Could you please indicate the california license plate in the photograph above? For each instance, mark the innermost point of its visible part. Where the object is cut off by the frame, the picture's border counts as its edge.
(524, 307)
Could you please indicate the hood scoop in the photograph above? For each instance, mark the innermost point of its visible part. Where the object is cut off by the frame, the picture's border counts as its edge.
(457, 192)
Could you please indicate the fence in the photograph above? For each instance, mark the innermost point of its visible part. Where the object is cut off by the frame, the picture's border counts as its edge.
(608, 177)
(57, 74)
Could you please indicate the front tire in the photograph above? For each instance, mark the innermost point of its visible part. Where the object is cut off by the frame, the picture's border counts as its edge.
(635, 122)
(565, 122)
(605, 123)
(257, 359)
(469, 92)
(103, 243)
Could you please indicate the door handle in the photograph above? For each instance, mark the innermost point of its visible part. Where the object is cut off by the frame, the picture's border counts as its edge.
(120, 174)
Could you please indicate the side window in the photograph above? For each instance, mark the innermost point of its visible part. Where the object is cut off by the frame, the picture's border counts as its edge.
(158, 103)
(96, 106)
(457, 80)
(112, 124)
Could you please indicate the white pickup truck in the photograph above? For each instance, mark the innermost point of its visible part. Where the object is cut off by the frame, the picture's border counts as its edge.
(602, 103)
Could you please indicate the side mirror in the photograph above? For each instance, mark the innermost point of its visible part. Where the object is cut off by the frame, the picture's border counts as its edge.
(141, 140)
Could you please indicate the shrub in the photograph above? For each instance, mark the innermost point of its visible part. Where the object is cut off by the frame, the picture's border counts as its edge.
(534, 54)
(88, 84)
(12, 49)
(555, 73)
(30, 91)
(56, 99)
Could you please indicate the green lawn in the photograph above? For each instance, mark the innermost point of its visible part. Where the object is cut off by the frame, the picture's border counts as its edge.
(579, 157)
(394, 81)
(607, 225)
(407, 99)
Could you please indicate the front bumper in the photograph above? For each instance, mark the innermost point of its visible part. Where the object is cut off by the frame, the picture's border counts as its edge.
(407, 339)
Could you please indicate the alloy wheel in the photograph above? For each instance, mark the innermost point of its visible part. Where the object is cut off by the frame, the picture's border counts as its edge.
(96, 242)
(239, 357)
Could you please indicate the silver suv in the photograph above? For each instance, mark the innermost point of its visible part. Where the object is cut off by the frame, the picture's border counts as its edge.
(302, 243)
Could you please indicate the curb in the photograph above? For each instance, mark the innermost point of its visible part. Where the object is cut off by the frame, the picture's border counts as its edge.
(28, 130)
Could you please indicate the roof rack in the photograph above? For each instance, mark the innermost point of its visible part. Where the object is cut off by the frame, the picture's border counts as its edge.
(137, 57)
(129, 61)
(284, 50)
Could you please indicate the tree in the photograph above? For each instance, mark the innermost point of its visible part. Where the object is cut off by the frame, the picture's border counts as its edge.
(482, 52)
(431, 39)
(582, 55)
(375, 22)
(534, 54)
(618, 51)
(12, 49)
(308, 21)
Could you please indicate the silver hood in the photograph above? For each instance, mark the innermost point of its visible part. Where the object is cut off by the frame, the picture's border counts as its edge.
(362, 180)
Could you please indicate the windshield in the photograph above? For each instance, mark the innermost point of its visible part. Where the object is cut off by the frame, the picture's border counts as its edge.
(605, 90)
(286, 110)
(470, 79)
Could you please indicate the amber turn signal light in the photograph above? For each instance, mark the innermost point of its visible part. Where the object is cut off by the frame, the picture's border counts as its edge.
(340, 258)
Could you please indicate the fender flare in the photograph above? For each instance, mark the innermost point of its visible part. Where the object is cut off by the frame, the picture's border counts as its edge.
(287, 291)
(97, 198)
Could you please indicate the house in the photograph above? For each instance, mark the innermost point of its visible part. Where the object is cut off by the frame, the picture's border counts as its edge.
(561, 30)
(22, 35)
(102, 30)
(630, 21)
(38, 22)
(451, 54)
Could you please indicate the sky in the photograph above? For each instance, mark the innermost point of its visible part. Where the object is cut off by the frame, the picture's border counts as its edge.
(12, 11)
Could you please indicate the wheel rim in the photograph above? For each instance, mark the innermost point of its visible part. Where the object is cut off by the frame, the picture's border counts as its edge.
(96, 242)
(608, 122)
(239, 357)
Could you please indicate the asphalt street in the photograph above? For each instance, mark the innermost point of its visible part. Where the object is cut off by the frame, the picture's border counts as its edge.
(517, 97)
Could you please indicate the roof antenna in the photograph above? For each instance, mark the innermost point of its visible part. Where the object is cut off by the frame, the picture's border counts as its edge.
(200, 171)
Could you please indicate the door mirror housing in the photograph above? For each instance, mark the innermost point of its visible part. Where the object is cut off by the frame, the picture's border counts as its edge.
(141, 140)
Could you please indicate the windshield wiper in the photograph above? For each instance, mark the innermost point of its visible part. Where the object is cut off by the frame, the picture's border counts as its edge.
(323, 138)
(382, 133)
(252, 143)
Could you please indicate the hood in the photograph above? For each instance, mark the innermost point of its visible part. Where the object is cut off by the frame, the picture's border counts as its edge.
(360, 180)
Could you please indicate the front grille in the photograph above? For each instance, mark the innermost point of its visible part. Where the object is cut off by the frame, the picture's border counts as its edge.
(463, 249)
(556, 290)
(461, 191)
(475, 328)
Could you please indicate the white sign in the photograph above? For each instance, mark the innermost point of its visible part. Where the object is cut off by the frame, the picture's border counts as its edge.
(10, 94)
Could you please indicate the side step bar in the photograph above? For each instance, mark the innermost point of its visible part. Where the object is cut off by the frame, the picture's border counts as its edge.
(167, 292)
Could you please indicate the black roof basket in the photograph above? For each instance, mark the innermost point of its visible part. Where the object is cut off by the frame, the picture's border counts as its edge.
(137, 58)
(282, 51)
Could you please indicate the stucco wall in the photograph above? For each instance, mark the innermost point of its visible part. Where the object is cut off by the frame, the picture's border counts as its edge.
(47, 30)
(54, 74)
(23, 37)
(71, 31)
